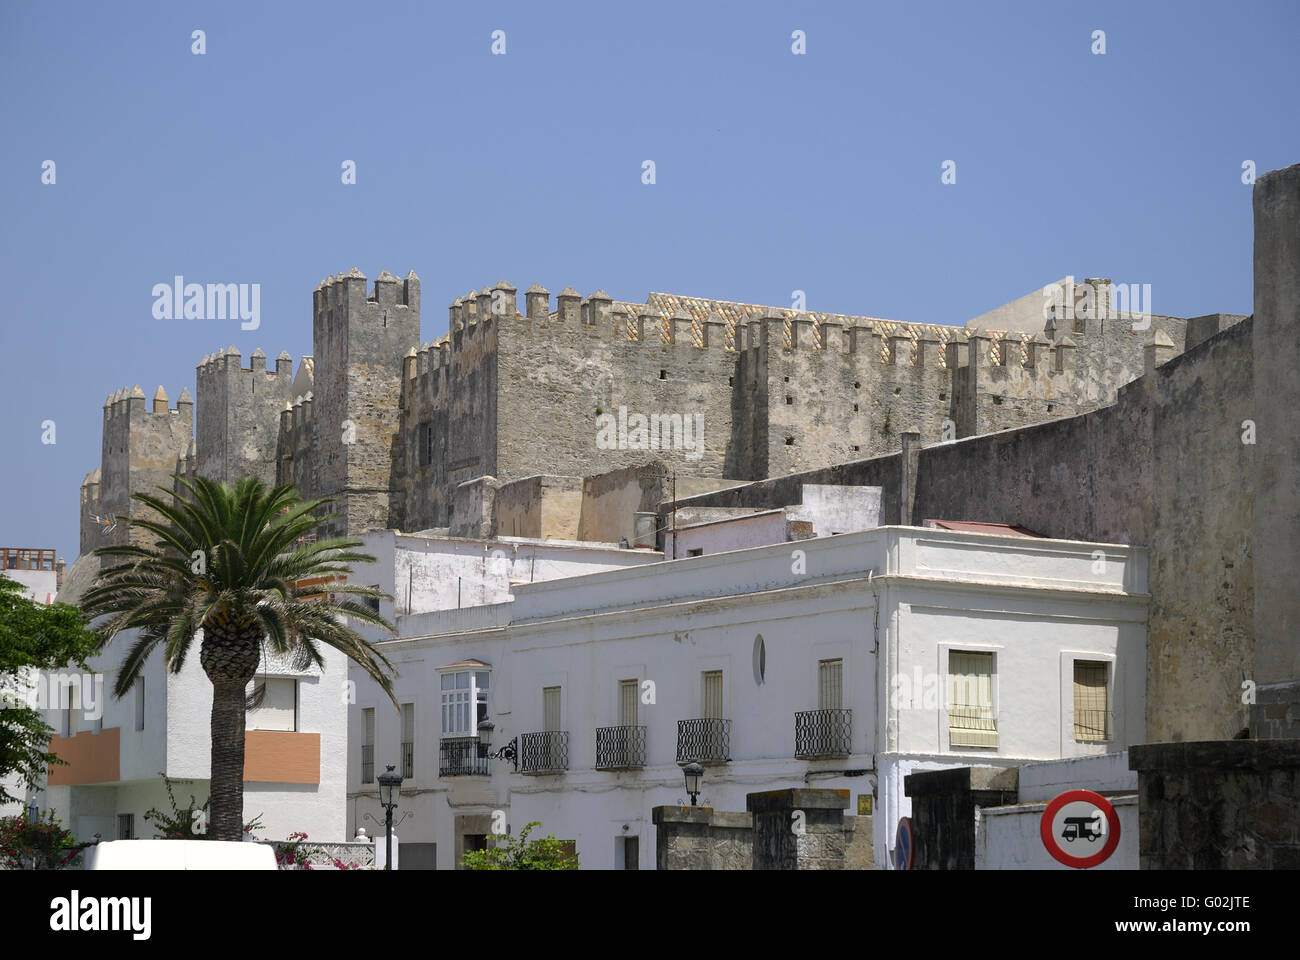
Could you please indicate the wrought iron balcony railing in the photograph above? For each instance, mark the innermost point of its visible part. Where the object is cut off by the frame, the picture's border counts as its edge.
(618, 748)
(706, 740)
(544, 752)
(1094, 726)
(408, 759)
(463, 757)
(823, 733)
(367, 763)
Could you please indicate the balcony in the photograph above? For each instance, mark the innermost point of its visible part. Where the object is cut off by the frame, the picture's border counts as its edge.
(408, 759)
(463, 757)
(823, 733)
(620, 748)
(367, 763)
(706, 740)
(544, 752)
(1094, 726)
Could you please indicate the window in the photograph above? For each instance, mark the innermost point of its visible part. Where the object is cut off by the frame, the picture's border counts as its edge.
(629, 694)
(277, 704)
(830, 689)
(697, 552)
(460, 690)
(126, 826)
(408, 740)
(970, 700)
(631, 853)
(1092, 720)
(424, 438)
(368, 745)
(550, 709)
(139, 703)
(711, 694)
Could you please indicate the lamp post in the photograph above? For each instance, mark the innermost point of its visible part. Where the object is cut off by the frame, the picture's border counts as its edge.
(390, 789)
(693, 772)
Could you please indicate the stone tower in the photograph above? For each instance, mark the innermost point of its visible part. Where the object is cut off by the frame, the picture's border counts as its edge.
(239, 415)
(338, 441)
(140, 451)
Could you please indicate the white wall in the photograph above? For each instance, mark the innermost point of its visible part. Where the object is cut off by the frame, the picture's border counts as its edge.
(733, 533)
(39, 586)
(1008, 838)
(838, 509)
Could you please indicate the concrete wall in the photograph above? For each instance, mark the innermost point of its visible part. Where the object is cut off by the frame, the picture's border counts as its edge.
(544, 507)
(1223, 805)
(1277, 451)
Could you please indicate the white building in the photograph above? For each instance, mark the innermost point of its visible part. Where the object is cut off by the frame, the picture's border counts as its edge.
(841, 662)
(117, 752)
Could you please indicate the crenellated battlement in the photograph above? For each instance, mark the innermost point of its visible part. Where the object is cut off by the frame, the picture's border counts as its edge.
(129, 404)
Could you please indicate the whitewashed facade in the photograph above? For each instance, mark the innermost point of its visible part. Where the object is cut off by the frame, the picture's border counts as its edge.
(722, 651)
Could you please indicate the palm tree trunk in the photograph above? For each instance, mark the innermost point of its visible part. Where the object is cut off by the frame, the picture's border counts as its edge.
(228, 712)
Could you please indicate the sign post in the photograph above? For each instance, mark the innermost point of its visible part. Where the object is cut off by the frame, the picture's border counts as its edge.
(904, 845)
(1080, 828)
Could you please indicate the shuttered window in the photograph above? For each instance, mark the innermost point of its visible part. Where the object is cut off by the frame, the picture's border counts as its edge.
(830, 685)
(550, 708)
(277, 707)
(970, 700)
(1091, 707)
(628, 694)
(711, 694)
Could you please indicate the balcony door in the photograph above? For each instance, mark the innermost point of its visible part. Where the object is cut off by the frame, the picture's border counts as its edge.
(830, 685)
(628, 697)
(551, 724)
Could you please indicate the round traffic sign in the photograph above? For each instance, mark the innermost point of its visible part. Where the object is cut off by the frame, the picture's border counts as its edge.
(904, 845)
(1080, 828)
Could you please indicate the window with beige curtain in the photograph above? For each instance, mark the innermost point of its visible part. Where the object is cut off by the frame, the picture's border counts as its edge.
(1091, 704)
(970, 700)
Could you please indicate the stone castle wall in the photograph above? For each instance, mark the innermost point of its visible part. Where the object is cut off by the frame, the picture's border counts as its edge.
(391, 428)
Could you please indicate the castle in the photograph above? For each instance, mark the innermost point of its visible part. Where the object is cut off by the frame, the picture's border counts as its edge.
(391, 427)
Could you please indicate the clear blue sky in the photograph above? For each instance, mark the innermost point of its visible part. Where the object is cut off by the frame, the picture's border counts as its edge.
(775, 172)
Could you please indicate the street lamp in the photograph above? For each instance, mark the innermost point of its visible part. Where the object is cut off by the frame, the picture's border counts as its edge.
(390, 789)
(693, 772)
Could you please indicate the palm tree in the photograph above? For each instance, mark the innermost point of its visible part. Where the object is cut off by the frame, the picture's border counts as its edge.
(231, 561)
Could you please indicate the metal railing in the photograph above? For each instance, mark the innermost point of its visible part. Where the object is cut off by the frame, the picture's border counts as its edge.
(367, 763)
(705, 740)
(972, 727)
(1094, 726)
(408, 759)
(463, 757)
(823, 733)
(618, 748)
(544, 752)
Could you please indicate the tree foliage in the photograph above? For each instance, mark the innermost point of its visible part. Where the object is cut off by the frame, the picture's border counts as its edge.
(33, 636)
(520, 853)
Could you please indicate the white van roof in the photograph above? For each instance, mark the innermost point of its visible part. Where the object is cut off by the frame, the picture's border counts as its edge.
(180, 855)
